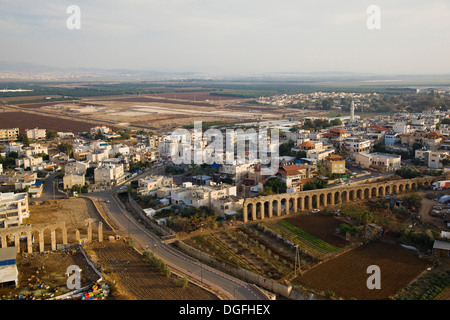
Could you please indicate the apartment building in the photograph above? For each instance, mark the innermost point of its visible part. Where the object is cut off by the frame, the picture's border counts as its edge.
(13, 209)
(354, 146)
(379, 161)
(70, 180)
(292, 175)
(110, 174)
(149, 185)
(32, 150)
(36, 134)
(29, 162)
(432, 159)
(335, 164)
(198, 196)
(7, 135)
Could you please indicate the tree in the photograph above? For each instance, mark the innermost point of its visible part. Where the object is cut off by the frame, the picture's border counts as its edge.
(24, 139)
(408, 173)
(51, 134)
(276, 185)
(65, 147)
(327, 104)
(412, 200)
(366, 218)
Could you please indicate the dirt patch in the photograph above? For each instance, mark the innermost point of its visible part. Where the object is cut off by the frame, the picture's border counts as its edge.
(75, 212)
(135, 279)
(322, 226)
(42, 275)
(346, 276)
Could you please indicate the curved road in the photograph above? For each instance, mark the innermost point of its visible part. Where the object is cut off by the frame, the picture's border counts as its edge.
(128, 227)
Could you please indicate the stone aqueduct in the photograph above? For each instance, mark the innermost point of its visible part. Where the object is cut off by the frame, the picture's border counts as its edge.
(259, 208)
(39, 231)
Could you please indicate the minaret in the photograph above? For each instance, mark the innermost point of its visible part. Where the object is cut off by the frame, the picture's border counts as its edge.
(352, 111)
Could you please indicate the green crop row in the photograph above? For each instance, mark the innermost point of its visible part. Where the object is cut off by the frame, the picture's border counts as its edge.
(308, 237)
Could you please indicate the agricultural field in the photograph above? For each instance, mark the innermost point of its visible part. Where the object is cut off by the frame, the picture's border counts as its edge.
(307, 242)
(135, 279)
(195, 96)
(24, 120)
(344, 276)
(433, 285)
(252, 248)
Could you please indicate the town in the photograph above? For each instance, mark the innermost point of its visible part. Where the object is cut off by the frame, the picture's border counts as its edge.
(347, 179)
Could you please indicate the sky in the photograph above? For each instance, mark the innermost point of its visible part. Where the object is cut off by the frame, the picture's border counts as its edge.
(230, 36)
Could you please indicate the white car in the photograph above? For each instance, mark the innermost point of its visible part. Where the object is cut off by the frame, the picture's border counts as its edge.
(315, 211)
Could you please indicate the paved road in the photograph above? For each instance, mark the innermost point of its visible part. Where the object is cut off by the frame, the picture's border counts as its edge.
(128, 227)
(143, 238)
(47, 191)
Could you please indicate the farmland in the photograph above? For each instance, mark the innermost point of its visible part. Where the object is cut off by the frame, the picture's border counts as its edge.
(307, 242)
(135, 279)
(345, 276)
(25, 120)
(254, 249)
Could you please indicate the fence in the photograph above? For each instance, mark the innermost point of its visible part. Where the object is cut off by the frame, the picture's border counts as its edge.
(246, 275)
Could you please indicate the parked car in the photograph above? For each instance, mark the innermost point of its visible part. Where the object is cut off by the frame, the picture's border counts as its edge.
(315, 211)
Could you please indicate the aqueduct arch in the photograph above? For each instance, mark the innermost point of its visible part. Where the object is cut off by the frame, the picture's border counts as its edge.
(37, 234)
(307, 200)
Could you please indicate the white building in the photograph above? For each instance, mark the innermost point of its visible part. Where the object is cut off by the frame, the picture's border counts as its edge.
(198, 196)
(432, 159)
(36, 134)
(402, 128)
(149, 185)
(109, 174)
(29, 162)
(353, 146)
(33, 149)
(13, 209)
(380, 161)
(8, 266)
(76, 167)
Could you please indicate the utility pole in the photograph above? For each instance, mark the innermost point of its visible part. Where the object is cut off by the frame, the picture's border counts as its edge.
(297, 260)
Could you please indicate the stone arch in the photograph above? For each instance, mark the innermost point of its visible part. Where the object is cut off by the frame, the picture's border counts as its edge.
(407, 187)
(366, 194)
(330, 199)
(37, 237)
(314, 201)
(322, 200)
(359, 194)
(259, 210)
(345, 196)
(374, 192)
(387, 190)
(337, 197)
(401, 188)
(352, 195)
(394, 189)
(307, 202)
(276, 205)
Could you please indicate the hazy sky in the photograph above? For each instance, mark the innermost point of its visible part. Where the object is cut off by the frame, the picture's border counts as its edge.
(245, 36)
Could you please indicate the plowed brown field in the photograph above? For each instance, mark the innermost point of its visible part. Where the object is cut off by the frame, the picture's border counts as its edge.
(136, 280)
(346, 275)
